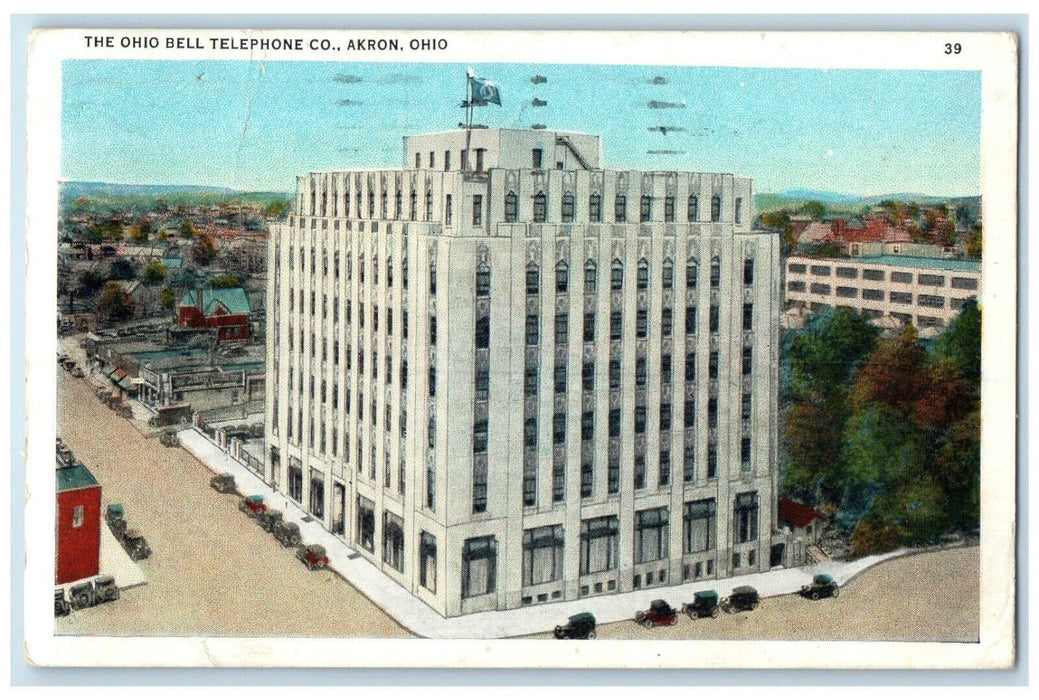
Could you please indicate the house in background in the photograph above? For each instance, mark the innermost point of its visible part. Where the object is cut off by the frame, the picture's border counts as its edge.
(78, 547)
(226, 310)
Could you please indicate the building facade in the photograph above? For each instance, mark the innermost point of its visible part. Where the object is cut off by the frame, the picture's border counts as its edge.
(507, 375)
(78, 531)
(928, 292)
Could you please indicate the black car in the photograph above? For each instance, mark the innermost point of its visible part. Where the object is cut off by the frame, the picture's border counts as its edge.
(705, 604)
(579, 626)
(742, 598)
(822, 585)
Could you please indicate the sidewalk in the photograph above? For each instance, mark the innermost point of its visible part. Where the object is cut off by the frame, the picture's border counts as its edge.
(422, 620)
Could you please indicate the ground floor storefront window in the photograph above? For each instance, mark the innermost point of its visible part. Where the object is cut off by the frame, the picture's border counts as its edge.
(542, 555)
(479, 566)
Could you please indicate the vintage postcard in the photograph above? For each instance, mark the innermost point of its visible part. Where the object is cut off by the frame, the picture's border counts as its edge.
(521, 349)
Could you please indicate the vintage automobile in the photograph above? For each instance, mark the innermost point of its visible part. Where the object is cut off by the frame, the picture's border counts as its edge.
(135, 545)
(822, 585)
(169, 439)
(705, 604)
(115, 516)
(253, 505)
(287, 533)
(62, 607)
(579, 626)
(82, 596)
(105, 590)
(89, 593)
(313, 556)
(224, 483)
(742, 598)
(268, 519)
(659, 613)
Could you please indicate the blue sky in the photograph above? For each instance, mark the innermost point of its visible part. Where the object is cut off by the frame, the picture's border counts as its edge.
(256, 125)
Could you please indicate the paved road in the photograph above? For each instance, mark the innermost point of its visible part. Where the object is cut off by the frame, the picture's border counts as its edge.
(213, 571)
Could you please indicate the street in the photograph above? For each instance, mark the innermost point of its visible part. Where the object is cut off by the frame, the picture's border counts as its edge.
(214, 571)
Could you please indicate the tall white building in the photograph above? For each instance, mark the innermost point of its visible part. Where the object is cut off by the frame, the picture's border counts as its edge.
(507, 375)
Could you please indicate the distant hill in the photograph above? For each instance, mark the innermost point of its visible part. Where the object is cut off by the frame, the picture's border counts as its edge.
(838, 202)
(142, 196)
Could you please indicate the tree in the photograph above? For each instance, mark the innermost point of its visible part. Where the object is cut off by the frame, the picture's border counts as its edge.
(825, 355)
(226, 281)
(974, 243)
(814, 209)
(187, 227)
(108, 230)
(204, 250)
(894, 375)
(115, 303)
(154, 273)
(89, 283)
(961, 342)
(276, 208)
(167, 298)
(811, 442)
(121, 269)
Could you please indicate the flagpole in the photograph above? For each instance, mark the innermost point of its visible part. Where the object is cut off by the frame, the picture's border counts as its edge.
(468, 115)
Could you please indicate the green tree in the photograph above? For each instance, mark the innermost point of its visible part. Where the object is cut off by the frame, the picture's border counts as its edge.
(974, 242)
(825, 355)
(961, 342)
(115, 304)
(226, 281)
(154, 273)
(814, 209)
(276, 208)
(89, 283)
(122, 269)
(167, 298)
(187, 227)
(204, 250)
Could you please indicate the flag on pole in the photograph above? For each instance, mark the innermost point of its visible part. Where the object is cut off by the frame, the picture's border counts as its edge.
(484, 92)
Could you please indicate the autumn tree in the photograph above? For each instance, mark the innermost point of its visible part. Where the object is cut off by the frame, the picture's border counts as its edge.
(204, 250)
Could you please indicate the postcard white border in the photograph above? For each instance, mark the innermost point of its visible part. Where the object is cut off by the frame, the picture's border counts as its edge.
(994, 54)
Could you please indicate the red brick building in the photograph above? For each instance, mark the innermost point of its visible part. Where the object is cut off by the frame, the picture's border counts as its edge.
(226, 310)
(78, 547)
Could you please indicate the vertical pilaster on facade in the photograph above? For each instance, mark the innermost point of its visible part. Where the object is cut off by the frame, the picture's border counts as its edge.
(471, 437)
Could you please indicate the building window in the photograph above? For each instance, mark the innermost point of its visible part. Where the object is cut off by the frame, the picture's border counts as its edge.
(690, 320)
(447, 210)
(665, 416)
(530, 480)
(642, 323)
(716, 272)
(745, 406)
(511, 207)
(642, 275)
(640, 420)
(562, 277)
(689, 411)
(745, 454)
(599, 543)
(712, 365)
(595, 208)
(620, 209)
(542, 555)
(559, 428)
(77, 516)
(614, 422)
(693, 209)
(427, 563)
(432, 330)
(588, 376)
(317, 491)
(748, 317)
(429, 205)
(587, 476)
(535, 157)
(530, 380)
(479, 159)
(665, 466)
(640, 371)
(748, 271)
(873, 275)
(483, 333)
(418, 161)
(689, 463)
(613, 471)
(477, 210)
(616, 275)
(666, 321)
(393, 540)
(690, 273)
(589, 277)
(533, 279)
(530, 432)
(560, 379)
(366, 522)
(716, 208)
(667, 277)
(645, 208)
(540, 207)
(480, 479)
(616, 325)
(957, 282)
(567, 213)
(699, 526)
(665, 368)
(562, 328)
(896, 297)
(479, 564)
(532, 329)
(748, 360)
(930, 301)
(669, 208)
(745, 517)
(739, 209)
(651, 534)
(483, 280)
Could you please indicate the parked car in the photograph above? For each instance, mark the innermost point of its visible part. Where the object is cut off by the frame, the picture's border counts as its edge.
(742, 598)
(822, 585)
(705, 604)
(135, 545)
(62, 607)
(579, 626)
(253, 505)
(105, 590)
(115, 517)
(169, 439)
(313, 556)
(287, 533)
(224, 483)
(269, 519)
(659, 613)
(82, 596)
